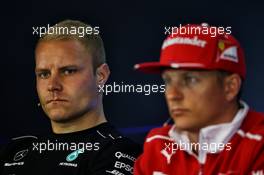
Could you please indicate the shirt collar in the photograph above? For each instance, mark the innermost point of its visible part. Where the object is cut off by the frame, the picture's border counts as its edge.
(220, 133)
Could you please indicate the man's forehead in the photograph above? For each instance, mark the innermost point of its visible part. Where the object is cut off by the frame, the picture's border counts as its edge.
(47, 62)
(61, 42)
(61, 47)
(53, 53)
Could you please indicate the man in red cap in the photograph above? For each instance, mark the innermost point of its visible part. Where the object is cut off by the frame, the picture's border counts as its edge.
(214, 132)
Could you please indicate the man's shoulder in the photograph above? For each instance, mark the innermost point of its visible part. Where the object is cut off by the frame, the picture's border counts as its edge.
(116, 153)
(111, 141)
(109, 135)
(254, 123)
(158, 136)
(120, 143)
(251, 132)
(161, 132)
(17, 144)
(21, 141)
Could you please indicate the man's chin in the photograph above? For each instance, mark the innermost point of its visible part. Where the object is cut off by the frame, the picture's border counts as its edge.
(58, 117)
(186, 127)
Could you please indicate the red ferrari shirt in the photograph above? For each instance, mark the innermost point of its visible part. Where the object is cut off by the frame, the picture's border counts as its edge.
(224, 149)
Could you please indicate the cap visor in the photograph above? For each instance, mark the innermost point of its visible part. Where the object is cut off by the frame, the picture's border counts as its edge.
(151, 67)
(157, 67)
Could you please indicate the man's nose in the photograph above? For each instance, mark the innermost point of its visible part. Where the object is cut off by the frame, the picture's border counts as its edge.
(54, 83)
(174, 92)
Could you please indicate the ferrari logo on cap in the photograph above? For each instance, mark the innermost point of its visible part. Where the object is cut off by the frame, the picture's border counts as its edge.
(221, 45)
(230, 54)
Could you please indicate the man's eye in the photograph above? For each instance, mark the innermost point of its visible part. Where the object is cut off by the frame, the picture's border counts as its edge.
(166, 80)
(43, 75)
(69, 71)
(190, 79)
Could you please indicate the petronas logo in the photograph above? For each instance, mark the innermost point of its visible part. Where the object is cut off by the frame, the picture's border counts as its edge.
(72, 156)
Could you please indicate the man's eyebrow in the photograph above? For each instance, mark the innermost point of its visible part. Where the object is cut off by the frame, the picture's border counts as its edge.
(60, 68)
(68, 67)
(41, 70)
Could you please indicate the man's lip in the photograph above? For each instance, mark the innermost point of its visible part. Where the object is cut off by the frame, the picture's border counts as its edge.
(178, 111)
(56, 100)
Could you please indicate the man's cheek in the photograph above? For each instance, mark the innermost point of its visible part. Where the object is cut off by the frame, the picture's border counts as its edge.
(41, 87)
(41, 96)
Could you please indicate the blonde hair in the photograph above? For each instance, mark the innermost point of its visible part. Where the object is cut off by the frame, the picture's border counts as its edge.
(92, 41)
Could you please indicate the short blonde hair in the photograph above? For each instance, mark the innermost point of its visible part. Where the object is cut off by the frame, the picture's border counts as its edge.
(92, 42)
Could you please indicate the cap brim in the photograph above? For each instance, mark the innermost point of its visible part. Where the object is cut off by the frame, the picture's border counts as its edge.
(157, 67)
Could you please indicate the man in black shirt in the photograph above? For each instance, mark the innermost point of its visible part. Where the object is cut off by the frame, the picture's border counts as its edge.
(70, 66)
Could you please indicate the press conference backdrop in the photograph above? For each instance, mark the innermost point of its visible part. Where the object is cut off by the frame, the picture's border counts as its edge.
(132, 32)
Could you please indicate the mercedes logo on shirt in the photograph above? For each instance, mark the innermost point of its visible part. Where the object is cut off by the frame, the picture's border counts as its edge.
(20, 155)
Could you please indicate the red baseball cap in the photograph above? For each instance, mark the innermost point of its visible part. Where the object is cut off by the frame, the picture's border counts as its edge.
(199, 51)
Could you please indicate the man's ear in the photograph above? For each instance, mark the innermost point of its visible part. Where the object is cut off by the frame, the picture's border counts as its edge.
(232, 85)
(102, 74)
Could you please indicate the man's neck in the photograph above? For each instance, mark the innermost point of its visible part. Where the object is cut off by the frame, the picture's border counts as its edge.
(88, 120)
(226, 117)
